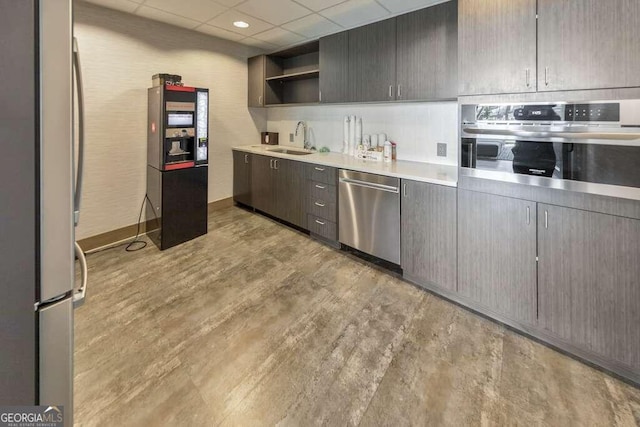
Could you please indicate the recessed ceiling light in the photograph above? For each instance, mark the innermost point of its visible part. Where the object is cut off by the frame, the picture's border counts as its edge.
(241, 24)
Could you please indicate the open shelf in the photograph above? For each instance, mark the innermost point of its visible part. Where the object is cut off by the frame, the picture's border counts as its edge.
(292, 76)
(295, 76)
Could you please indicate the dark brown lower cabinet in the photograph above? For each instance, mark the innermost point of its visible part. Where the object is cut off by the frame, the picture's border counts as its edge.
(497, 254)
(277, 188)
(429, 234)
(589, 281)
(290, 192)
(263, 184)
(242, 178)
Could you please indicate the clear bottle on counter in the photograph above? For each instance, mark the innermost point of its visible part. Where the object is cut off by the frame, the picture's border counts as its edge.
(387, 151)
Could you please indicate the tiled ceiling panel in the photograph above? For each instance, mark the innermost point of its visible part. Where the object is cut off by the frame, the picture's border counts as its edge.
(276, 12)
(219, 32)
(123, 5)
(312, 26)
(355, 12)
(279, 37)
(399, 6)
(200, 10)
(250, 41)
(273, 24)
(226, 20)
(169, 18)
(317, 5)
(229, 3)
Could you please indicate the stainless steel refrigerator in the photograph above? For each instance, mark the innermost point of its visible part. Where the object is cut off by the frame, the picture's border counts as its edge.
(37, 185)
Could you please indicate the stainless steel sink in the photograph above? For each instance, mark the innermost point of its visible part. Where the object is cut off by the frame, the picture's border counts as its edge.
(290, 151)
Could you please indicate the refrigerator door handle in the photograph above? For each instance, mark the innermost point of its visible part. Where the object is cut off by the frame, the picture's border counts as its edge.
(55, 350)
(80, 293)
(80, 170)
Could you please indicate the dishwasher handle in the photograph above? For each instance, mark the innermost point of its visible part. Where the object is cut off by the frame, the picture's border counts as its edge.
(372, 185)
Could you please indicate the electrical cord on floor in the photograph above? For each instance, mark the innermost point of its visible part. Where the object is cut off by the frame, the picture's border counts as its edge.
(131, 245)
(142, 244)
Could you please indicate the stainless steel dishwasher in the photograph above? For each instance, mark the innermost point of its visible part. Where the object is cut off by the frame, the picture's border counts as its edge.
(369, 214)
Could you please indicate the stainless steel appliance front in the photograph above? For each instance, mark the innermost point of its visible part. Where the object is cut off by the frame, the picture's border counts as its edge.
(589, 147)
(369, 214)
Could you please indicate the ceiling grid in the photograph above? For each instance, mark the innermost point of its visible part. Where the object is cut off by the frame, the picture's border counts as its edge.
(273, 24)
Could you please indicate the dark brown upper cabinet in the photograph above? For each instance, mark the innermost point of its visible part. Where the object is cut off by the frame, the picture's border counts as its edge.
(372, 62)
(334, 64)
(427, 53)
(588, 44)
(497, 46)
(256, 73)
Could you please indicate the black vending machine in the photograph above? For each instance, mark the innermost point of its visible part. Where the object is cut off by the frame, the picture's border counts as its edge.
(177, 164)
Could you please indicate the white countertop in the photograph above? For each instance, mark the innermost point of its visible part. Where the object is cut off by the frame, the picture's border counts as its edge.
(417, 171)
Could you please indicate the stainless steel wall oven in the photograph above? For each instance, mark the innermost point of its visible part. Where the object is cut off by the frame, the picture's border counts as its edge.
(588, 146)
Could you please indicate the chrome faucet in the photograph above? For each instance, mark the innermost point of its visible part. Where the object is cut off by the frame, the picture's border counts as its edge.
(304, 134)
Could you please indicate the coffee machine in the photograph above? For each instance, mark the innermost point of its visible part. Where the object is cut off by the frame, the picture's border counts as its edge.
(177, 163)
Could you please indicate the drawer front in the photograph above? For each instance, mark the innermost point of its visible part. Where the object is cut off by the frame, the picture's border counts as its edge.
(322, 227)
(322, 174)
(322, 208)
(322, 191)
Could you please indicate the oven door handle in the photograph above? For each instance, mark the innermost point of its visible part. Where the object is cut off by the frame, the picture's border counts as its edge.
(575, 135)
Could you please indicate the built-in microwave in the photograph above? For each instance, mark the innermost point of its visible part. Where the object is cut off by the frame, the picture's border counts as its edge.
(588, 142)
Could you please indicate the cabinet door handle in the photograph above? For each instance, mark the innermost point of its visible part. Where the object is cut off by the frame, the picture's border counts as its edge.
(320, 222)
(527, 74)
(260, 100)
(275, 164)
(546, 219)
(399, 91)
(528, 215)
(320, 96)
(546, 76)
(270, 163)
(246, 158)
(390, 91)
(404, 190)
(321, 205)
(319, 169)
(321, 187)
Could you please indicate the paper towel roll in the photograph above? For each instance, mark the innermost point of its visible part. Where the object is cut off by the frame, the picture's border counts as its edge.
(345, 141)
(359, 131)
(352, 135)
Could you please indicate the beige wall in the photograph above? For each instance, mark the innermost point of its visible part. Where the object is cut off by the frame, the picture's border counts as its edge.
(119, 54)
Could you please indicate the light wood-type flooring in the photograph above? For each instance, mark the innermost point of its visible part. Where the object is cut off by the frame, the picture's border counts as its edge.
(256, 324)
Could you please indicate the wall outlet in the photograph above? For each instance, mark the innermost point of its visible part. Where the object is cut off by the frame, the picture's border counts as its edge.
(442, 150)
(291, 137)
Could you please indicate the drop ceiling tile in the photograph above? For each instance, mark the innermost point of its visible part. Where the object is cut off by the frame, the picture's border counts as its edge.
(276, 12)
(226, 20)
(219, 32)
(279, 36)
(123, 5)
(229, 3)
(312, 26)
(398, 6)
(198, 10)
(160, 15)
(317, 5)
(355, 12)
(250, 41)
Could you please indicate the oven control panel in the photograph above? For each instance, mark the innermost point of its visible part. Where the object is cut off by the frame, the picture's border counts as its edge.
(593, 112)
(547, 113)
